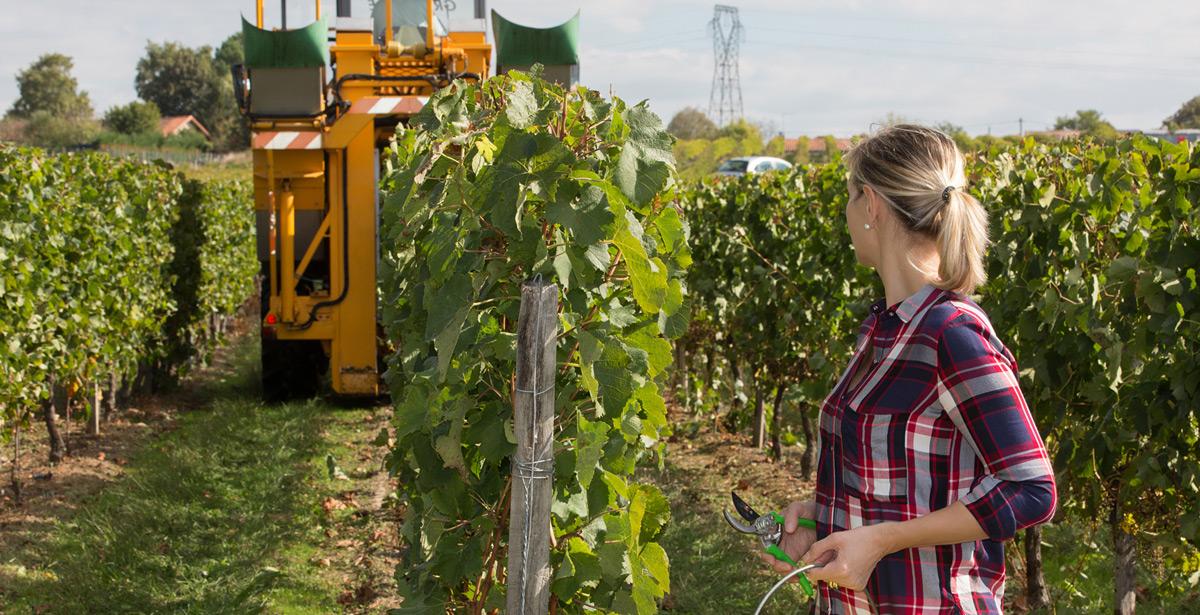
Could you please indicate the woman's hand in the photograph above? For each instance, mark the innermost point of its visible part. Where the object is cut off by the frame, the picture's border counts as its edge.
(849, 557)
(796, 540)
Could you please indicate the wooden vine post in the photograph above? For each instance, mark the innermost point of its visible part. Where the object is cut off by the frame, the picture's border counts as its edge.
(533, 463)
(93, 426)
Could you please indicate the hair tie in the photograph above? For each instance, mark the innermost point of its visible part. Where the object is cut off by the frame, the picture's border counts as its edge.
(946, 194)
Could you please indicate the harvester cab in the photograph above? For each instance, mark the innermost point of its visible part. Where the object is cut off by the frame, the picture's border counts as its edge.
(319, 115)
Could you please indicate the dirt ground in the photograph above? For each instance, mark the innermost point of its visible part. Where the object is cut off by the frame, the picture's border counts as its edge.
(362, 539)
(722, 462)
(52, 492)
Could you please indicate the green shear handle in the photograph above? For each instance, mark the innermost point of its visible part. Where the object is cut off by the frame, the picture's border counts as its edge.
(778, 553)
(769, 529)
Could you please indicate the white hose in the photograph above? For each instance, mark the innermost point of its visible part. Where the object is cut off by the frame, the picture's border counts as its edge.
(785, 579)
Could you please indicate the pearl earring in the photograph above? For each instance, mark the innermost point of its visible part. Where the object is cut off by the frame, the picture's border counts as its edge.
(867, 226)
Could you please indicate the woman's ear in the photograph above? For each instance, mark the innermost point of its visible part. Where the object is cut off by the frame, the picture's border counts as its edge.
(873, 205)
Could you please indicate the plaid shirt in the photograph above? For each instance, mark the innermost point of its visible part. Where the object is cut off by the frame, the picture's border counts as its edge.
(937, 418)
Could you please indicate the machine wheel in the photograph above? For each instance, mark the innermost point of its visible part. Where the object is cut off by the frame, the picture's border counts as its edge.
(291, 369)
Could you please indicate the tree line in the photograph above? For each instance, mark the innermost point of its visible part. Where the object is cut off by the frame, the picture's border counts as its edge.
(170, 79)
(701, 145)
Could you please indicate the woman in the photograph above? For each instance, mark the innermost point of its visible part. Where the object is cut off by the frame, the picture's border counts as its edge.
(929, 458)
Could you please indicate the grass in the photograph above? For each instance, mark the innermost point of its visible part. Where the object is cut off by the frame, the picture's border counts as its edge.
(222, 515)
(235, 170)
(714, 570)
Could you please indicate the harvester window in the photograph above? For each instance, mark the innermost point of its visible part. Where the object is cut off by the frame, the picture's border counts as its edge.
(408, 21)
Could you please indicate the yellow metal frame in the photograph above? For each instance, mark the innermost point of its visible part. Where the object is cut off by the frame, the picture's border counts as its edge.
(339, 180)
(258, 11)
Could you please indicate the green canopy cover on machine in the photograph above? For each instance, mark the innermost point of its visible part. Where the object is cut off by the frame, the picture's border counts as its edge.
(301, 48)
(518, 45)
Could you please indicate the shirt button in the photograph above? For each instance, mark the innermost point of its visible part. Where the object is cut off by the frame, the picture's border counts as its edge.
(891, 313)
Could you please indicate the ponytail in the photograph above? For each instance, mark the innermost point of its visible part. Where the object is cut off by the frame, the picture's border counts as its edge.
(962, 239)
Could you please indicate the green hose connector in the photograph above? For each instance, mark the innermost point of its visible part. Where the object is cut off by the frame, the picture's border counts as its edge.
(779, 554)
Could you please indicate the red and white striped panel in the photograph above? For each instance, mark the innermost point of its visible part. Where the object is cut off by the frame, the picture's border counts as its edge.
(287, 139)
(389, 105)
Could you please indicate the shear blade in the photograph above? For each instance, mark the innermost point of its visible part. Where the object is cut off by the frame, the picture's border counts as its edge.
(743, 508)
(738, 525)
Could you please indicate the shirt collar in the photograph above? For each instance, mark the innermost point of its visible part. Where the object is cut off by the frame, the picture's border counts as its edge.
(905, 309)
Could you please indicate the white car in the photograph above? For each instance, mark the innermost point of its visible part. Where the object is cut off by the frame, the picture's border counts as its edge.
(752, 164)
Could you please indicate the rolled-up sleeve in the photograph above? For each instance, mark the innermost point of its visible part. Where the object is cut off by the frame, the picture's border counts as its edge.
(978, 388)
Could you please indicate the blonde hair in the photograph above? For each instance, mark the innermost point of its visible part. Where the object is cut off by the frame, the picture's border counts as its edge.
(919, 172)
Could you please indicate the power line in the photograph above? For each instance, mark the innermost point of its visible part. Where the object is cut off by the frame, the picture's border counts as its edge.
(978, 25)
(725, 99)
(970, 44)
(682, 36)
(891, 53)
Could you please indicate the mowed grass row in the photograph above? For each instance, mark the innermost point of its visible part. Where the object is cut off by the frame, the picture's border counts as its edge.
(221, 515)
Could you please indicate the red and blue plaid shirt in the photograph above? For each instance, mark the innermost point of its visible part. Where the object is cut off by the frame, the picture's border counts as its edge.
(937, 418)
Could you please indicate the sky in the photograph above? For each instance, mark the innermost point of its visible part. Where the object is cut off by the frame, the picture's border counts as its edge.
(809, 67)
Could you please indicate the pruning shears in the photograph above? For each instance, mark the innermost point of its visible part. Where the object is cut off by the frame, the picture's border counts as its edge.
(769, 529)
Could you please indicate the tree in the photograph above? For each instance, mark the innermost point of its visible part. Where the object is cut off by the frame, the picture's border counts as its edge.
(229, 128)
(775, 146)
(47, 85)
(964, 141)
(56, 131)
(691, 123)
(135, 118)
(800, 156)
(1089, 122)
(179, 80)
(1188, 116)
(232, 51)
(186, 81)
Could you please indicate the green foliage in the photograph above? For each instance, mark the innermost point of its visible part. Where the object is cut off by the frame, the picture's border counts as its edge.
(1188, 116)
(699, 158)
(776, 288)
(743, 131)
(46, 129)
(148, 140)
(1088, 121)
(214, 265)
(88, 254)
(135, 118)
(177, 79)
(1092, 285)
(195, 81)
(775, 147)
(801, 156)
(47, 85)
(186, 140)
(965, 142)
(231, 51)
(691, 123)
(494, 184)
